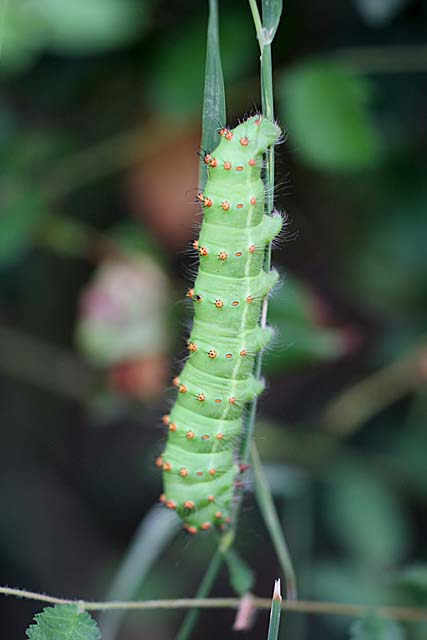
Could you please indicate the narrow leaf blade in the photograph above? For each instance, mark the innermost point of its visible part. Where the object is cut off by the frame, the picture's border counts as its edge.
(275, 612)
(271, 12)
(214, 113)
(242, 577)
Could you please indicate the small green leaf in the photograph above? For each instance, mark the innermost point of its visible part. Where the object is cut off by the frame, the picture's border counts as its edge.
(271, 12)
(242, 577)
(326, 107)
(374, 628)
(63, 622)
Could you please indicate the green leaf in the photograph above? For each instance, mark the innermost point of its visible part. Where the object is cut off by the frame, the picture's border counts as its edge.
(366, 517)
(374, 628)
(83, 26)
(271, 12)
(294, 311)
(80, 26)
(22, 210)
(214, 111)
(63, 622)
(415, 577)
(242, 578)
(326, 107)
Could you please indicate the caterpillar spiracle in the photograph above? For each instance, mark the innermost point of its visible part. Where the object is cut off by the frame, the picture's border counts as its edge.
(200, 462)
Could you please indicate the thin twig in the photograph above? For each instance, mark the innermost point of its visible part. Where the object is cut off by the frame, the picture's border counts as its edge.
(300, 606)
(355, 405)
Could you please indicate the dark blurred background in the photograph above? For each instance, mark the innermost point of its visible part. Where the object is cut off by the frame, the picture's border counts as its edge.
(100, 107)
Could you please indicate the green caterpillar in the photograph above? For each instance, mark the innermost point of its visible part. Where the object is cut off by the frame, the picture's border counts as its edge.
(199, 463)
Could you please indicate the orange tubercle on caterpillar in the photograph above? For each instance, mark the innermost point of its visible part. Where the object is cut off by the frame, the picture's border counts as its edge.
(240, 205)
(167, 466)
(204, 200)
(182, 388)
(183, 472)
(171, 504)
(212, 354)
(244, 141)
(211, 498)
(190, 293)
(252, 248)
(175, 381)
(159, 462)
(210, 161)
(217, 400)
(206, 437)
(228, 356)
(212, 472)
(253, 200)
(162, 498)
(240, 167)
(252, 162)
(203, 251)
(219, 436)
(205, 526)
(243, 353)
(192, 346)
(225, 205)
(222, 255)
(238, 254)
(250, 299)
(232, 400)
(166, 419)
(226, 133)
(227, 165)
(198, 298)
(219, 303)
(189, 504)
(195, 245)
(190, 435)
(218, 515)
(235, 303)
(191, 530)
(201, 397)
(172, 426)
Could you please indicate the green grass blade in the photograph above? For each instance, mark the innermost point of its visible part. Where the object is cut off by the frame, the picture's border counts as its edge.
(275, 611)
(271, 12)
(272, 522)
(153, 535)
(214, 112)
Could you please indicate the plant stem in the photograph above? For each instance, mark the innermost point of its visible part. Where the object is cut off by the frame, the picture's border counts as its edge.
(301, 606)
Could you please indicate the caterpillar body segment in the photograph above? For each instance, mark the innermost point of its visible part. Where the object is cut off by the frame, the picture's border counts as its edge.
(200, 465)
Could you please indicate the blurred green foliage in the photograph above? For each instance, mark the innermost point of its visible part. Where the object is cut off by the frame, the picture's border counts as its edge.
(327, 109)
